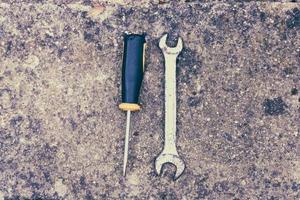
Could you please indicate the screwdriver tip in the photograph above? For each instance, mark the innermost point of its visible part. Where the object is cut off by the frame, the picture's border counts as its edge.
(124, 170)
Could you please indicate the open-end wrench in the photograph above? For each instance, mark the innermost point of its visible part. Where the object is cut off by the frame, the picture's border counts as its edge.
(169, 153)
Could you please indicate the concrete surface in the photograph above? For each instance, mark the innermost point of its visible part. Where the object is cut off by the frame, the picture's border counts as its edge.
(62, 135)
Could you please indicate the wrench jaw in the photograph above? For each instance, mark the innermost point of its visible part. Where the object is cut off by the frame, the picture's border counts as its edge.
(172, 159)
(170, 50)
(163, 41)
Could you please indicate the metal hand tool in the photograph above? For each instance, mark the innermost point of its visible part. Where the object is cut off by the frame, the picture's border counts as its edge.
(132, 76)
(169, 153)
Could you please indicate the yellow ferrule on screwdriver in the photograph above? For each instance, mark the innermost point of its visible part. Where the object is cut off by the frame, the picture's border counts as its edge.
(129, 106)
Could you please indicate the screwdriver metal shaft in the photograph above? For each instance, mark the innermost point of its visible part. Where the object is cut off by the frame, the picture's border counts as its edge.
(126, 142)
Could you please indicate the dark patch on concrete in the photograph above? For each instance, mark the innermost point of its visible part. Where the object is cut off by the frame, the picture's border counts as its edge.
(253, 172)
(89, 195)
(35, 125)
(267, 183)
(258, 14)
(202, 191)
(16, 121)
(220, 21)
(187, 15)
(289, 70)
(88, 36)
(15, 197)
(60, 52)
(136, 133)
(222, 186)
(205, 8)
(82, 181)
(293, 20)
(1, 31)
(128, 12)
(274, 106)
(73, 123)
(8, 47)
(201, 187)
(227, 136)
(89, 24)
(295, 186)
(247, 139)
(194, 101)
(275, 173)
(87, 2)
(294, 91)
(276, 184)
(208, 37)
(263, 16)
(47, 176)
(41, 196)
(47, 153)
(230, 87)
(243, 25)
(188, 65)
(167, 195)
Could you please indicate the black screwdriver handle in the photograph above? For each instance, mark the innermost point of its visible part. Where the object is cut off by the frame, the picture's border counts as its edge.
(132, 71)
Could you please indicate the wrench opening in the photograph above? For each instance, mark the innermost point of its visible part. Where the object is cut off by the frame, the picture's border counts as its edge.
(171, 159)
(170, 50)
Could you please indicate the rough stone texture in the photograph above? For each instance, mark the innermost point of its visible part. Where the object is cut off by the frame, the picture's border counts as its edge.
(62, 135)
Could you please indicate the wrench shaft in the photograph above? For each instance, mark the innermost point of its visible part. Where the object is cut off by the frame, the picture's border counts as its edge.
(170, 103)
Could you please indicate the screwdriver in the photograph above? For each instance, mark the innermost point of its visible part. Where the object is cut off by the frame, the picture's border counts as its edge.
(132, 76)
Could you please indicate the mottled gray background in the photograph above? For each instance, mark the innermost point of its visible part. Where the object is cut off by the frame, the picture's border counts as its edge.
(62, 134)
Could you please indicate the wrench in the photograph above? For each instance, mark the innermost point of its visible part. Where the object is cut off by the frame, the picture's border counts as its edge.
(169, 153)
